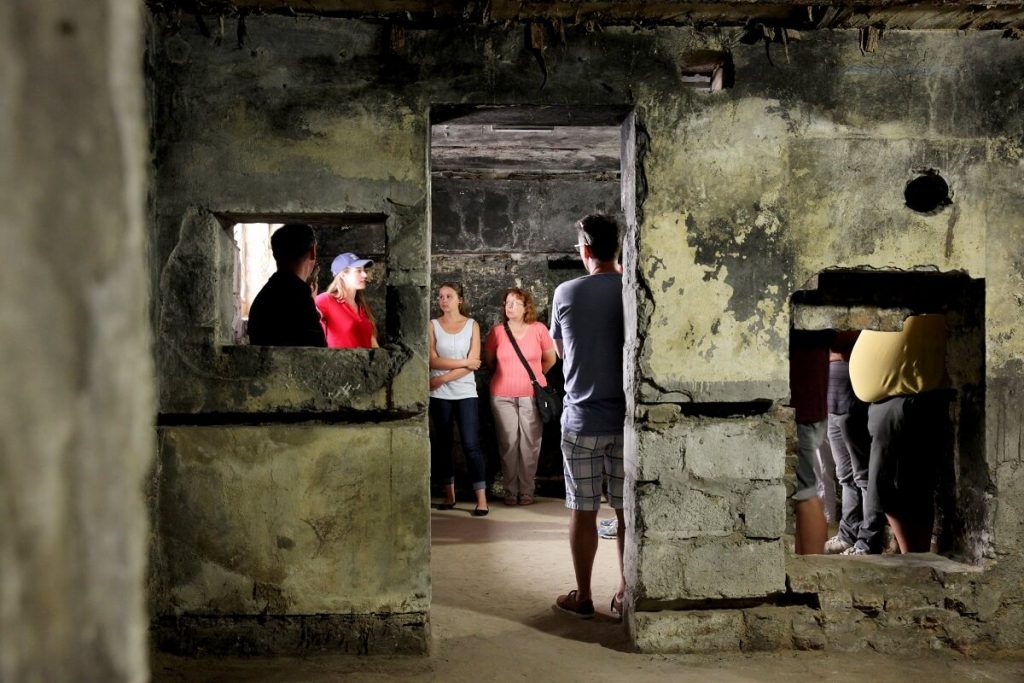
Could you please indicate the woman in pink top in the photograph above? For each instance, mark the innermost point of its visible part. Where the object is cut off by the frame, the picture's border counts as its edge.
(516, 417)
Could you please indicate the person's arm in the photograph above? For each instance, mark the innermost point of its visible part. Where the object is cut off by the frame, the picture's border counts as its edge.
(468, 364)
(373, 342)
(474, 348)
(556, 328)
(547, 349)
(547, 360)
(312, 329)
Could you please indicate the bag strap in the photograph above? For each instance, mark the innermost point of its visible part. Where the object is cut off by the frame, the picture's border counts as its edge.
(511, 338)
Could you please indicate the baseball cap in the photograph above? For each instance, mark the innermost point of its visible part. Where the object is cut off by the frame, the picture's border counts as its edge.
(348, 260)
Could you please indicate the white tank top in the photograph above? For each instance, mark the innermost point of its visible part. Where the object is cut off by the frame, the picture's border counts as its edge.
(454, 346)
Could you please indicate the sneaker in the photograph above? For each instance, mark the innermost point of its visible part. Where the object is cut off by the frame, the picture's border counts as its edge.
(581, 609)
(836, 545)
(608, 522)
(854, 550)
(609, 531)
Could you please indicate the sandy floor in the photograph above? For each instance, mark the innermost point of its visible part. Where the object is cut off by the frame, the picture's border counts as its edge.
(495, 579)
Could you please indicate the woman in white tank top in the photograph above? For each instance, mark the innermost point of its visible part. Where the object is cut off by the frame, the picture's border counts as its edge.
(454, 355)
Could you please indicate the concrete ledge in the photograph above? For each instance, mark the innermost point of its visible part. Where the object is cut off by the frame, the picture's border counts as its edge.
(667, 390)
(357, 634)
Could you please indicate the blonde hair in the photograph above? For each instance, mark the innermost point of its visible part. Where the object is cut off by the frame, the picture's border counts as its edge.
(338, 290)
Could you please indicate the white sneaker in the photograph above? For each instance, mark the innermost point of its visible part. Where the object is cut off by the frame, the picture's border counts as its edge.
(608, 522)
(836, 545)
(854, 550)
(609, 531)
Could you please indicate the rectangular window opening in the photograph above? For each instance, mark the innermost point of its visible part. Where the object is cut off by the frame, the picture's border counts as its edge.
(253, 262)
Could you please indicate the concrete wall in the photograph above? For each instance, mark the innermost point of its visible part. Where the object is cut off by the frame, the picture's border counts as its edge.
(742, 197)
(76, 389)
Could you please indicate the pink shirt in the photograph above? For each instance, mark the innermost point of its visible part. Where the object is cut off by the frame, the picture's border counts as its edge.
(510, 377)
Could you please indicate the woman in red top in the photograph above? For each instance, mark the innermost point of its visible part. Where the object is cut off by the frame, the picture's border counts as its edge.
(346, 315)
(516, 417)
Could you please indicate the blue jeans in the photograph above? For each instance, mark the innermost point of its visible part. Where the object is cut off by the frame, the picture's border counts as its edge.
(464, 411)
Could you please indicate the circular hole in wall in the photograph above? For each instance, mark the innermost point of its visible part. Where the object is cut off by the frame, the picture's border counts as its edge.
(927, 193)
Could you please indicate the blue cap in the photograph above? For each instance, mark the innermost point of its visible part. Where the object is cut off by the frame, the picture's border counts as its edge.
(348, 260)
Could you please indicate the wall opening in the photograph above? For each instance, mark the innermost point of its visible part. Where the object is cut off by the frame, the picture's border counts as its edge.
(507, 185)
(927, 193)
(841, 300)
(252, 262)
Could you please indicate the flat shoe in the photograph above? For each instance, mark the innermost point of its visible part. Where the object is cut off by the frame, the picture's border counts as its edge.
(446, 506)
(478, 512)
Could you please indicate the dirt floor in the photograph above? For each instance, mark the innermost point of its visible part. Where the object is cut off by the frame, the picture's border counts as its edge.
(494, 581)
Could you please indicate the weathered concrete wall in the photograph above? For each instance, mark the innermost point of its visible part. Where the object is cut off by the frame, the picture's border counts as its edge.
(742, 197)
(276, 521)
(76, 388)
(240, 150)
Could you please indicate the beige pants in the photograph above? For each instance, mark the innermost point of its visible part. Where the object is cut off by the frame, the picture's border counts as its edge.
(519, 429)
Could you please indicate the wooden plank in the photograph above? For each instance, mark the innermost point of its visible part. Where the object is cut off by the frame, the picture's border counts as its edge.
(602, 139)
(520, 160)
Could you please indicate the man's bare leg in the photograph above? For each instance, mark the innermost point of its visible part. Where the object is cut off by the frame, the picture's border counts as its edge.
(583, 544)
(811, 527)
(912, 532)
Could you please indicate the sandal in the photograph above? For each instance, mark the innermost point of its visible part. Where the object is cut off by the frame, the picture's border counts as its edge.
(511, 500)
(526, 500)
(616, 607)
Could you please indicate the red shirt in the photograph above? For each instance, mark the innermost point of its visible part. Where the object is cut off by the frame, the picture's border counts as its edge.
(510, 377)
(346, 328)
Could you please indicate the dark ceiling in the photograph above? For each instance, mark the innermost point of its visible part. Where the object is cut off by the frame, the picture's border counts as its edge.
(889, 14)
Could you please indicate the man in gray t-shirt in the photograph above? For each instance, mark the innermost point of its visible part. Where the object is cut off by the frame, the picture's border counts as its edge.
(587, 328)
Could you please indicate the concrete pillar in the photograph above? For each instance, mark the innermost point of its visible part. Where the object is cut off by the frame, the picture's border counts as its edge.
(76, 377)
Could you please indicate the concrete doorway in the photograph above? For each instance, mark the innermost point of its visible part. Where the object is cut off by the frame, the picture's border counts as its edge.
(507, 185)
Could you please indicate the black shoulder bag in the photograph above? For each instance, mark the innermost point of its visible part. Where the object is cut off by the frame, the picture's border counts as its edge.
(549, 403)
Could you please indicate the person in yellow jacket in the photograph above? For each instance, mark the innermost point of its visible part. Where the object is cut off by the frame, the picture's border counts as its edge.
(903, 376)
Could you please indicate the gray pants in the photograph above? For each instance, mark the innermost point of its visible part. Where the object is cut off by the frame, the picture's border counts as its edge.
(519, 427)
(848, 436)
(908, 442)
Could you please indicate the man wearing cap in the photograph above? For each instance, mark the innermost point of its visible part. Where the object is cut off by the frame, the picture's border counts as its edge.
(345, 311)
(283, 313)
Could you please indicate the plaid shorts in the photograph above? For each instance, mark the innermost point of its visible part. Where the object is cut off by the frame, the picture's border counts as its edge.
(587, 460)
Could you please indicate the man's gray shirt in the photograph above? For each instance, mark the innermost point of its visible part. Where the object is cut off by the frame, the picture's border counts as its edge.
(586, 315)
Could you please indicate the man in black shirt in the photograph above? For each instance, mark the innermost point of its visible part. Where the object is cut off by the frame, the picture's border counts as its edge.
(283, 313)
